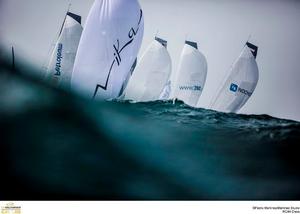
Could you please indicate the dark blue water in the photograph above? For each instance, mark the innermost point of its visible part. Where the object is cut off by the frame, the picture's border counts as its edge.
(56, 145)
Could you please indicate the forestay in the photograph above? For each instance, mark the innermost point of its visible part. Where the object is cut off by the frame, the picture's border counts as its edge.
(108, 48)
(191, 74)
(60, 68)
(240, 83)
(152, 74)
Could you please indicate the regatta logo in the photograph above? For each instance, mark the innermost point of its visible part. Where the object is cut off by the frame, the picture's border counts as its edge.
(190, 88)
(118, 49)
(58, 60)
(236, 88)
(10, 208)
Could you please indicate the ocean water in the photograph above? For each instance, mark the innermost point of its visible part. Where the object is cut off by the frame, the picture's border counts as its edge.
(56, 145)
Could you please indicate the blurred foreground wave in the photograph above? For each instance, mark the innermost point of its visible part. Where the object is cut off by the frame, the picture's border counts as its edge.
(58, 146)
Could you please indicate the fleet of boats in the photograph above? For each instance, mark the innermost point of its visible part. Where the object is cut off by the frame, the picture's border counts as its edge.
(100, 61)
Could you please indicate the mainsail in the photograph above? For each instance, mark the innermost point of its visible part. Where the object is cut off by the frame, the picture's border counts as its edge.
(108, 48)
(60, 68)
(241, 82)
(191, 74)
(151, 75)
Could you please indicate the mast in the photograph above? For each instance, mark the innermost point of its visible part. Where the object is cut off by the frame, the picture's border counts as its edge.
(13, 59)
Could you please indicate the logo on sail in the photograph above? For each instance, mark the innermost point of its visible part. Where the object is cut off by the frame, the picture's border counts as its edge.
(118, 49)
(236, 88)
(11, 208)
(190, 88)
(58, 59)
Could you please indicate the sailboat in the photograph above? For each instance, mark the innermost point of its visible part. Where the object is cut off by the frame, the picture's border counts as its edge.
(60, 68)
(152, 73)
(108, 48)
(191, 74)
(240, 83)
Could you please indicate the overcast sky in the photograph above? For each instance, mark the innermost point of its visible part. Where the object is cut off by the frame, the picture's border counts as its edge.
(220, 27)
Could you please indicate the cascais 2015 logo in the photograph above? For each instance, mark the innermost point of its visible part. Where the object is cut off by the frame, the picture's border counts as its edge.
(10, 208)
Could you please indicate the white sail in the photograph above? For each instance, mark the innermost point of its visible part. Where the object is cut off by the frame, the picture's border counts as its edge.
(151, 75)
(108, 48)
(60, 68)
(191, 75)
(241, 82)
(166, 93)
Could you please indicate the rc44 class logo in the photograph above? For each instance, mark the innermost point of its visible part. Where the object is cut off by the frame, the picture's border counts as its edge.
(234, 87)
(10, 208)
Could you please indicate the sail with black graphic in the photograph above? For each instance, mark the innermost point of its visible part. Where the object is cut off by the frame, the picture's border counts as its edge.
(240, 83)
(60, 68)
(191, 75)
(151, 75)
(108, 48)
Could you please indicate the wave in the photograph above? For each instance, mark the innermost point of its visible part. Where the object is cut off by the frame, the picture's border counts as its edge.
(179, 113)
(55, 146)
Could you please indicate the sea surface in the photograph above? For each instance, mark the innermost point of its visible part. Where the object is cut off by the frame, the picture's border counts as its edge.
(57, 145)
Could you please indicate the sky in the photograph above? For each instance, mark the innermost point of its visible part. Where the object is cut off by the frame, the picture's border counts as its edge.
(220, 28)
